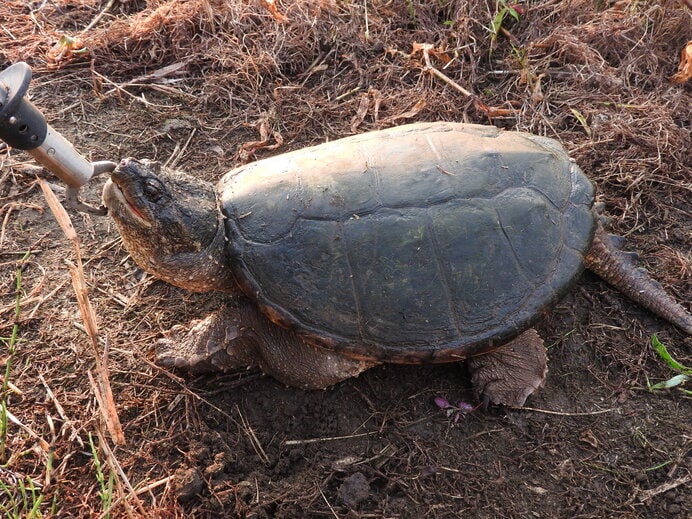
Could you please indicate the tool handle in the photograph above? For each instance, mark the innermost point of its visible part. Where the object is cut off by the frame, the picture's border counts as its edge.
(24, 127)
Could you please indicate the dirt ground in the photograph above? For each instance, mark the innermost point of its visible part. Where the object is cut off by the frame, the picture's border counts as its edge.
(205, 85)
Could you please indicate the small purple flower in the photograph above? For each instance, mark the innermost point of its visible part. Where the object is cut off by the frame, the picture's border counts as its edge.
(442, 402)
(465, 407)
(456, 411)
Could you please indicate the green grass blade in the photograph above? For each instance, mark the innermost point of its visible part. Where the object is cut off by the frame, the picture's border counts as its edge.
(671, 382)
(668, 359)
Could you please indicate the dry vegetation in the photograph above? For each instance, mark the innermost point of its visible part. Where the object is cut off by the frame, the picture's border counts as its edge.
(204, 84)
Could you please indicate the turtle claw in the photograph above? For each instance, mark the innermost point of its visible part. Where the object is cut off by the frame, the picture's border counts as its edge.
(168, 355)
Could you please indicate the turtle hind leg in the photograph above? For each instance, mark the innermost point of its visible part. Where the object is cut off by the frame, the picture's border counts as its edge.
(508, 375)
(241, 336)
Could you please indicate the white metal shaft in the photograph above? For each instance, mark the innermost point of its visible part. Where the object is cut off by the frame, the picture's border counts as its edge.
(61, 158)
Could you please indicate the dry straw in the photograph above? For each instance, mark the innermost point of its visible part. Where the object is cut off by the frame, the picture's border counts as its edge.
(103, 392)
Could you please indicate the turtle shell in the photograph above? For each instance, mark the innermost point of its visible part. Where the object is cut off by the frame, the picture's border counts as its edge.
(426, 242)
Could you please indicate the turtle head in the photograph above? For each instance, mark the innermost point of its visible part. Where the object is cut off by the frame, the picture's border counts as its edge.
(170, 224)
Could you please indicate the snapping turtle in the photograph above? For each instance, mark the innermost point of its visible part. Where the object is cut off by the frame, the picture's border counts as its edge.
(433, 242)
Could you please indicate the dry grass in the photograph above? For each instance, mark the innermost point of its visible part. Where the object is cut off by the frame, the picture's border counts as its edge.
(205, 83)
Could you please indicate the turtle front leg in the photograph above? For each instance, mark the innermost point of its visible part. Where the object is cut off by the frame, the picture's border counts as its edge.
(241, 336)
(508, 375)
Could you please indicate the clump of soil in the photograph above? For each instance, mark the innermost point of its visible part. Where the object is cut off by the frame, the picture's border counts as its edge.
(206, 84)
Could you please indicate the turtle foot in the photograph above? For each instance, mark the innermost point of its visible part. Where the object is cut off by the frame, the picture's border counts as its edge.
(201, 347)
(508, 375)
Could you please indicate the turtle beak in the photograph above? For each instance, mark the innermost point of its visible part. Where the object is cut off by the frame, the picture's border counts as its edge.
(115, 199)
(120, 191)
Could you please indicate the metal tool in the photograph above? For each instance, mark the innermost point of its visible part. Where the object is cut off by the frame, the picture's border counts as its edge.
(23, 127)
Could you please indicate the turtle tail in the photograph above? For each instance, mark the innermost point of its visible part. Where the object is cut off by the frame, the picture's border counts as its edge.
(620, 270)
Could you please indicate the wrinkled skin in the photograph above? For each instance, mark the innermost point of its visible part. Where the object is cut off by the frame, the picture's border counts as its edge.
(170, 225)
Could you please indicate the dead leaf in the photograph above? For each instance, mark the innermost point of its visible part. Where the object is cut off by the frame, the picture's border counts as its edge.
(408, 114)
(67, 49)
(589, 437)
(377, 97)
(263, 124)
(537, 90)
(430, 50)
(684, 72)
(421, 47)
(361, 112)
(271, 5)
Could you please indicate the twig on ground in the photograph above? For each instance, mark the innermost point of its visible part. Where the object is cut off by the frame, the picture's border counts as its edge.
(328, 504)
(34, 299)
(43, 443)
(562, 413)
(645, 495)
(435, 72)
(327, 439)
(122, 478)
(98, 17)
(178, 152)
(138, 492)
(61, 411)
(10, 207)
(253, 437)
(141, 99)
(59, 408)
(105, 396)
(11, 386)
(153, 485)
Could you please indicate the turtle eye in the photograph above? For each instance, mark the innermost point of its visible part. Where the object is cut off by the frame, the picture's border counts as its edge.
(153, 189)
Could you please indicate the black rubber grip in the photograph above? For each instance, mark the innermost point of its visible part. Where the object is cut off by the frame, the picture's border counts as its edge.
(22, 126)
